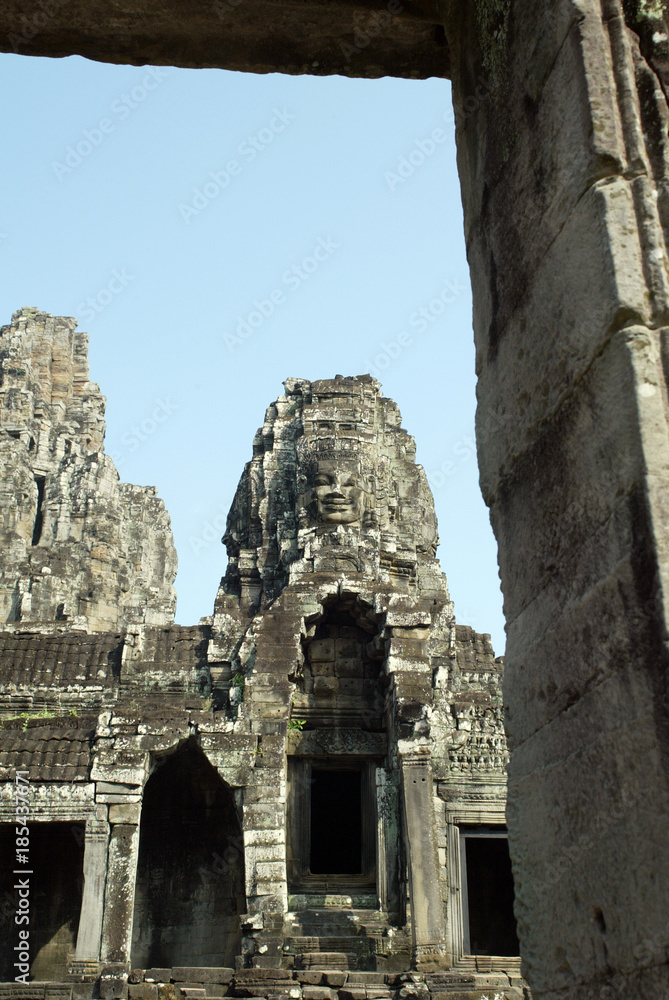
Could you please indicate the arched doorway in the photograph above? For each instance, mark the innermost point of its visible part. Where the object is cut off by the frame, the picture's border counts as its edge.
(190, 874)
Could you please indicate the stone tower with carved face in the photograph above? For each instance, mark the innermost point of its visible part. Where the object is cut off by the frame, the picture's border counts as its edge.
(305, 791)
(332, 488)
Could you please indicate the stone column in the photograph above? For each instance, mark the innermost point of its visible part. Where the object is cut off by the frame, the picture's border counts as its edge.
(561, 124)
(95, 874)
(427, 907)
(121, 879)
(388, 846)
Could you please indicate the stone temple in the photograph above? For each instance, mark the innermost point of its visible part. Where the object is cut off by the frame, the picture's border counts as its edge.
(302, 796)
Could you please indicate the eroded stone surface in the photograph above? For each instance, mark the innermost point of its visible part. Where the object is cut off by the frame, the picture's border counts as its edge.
(362, 38)
(77, 545)
(191, 757)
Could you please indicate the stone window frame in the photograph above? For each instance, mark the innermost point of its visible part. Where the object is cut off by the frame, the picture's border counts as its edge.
(490, 814)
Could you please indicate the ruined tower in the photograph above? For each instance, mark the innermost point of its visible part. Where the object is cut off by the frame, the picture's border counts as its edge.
(76, 543)
(304, 792)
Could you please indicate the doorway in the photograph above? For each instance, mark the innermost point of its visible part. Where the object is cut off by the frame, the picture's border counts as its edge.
(489, 924)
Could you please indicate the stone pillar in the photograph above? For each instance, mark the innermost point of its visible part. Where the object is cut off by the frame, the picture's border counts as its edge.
(561, 126)
(388, 846)
(95, 873)
(121, 879)
(427, 907)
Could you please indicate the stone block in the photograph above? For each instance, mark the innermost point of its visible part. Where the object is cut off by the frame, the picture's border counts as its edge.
(113, 988)
(309, 977)
(142, 991)
(116, 788)
(129, 812)
(263, 990)
(318, 993)
(83, 991)
(321, 649)
(326, 686)
(355, 977)
(348, 648)
(20, 991)
(202, 974)
(349, 667)
(335, 979)
(168, 991)
(158, 975)
(107, 798)
(261, 975)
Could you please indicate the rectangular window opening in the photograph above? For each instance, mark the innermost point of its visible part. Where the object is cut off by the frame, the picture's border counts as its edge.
(489, 922)
(39, 515)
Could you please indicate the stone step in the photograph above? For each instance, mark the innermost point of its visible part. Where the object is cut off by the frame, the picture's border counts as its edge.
(332, 943)
(510, 993)
(326, 961)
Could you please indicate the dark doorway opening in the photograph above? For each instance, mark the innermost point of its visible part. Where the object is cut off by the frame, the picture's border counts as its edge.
(55, 888)
(336, 822)
(190, 873)
(489, 882)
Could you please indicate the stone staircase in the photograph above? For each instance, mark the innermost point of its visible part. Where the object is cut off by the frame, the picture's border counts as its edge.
(325, 937)
(274, 984)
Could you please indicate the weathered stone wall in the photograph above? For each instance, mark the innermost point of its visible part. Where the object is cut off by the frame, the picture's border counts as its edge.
(76, 544)
(563, 169)
(187, 754)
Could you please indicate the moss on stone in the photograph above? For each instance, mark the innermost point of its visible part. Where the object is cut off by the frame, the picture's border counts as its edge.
(492, 18)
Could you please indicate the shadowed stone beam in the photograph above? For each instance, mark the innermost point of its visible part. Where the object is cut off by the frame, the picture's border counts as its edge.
(358, 38)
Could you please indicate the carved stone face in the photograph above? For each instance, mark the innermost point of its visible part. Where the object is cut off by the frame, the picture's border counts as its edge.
(339, 499)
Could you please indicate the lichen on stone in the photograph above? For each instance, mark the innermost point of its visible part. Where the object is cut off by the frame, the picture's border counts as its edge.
(492, 17)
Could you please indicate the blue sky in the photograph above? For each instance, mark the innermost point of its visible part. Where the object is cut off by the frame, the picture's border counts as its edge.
(217, 232)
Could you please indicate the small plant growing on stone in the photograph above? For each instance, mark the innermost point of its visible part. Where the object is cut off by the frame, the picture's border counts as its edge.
(296, 725)
(27, 716)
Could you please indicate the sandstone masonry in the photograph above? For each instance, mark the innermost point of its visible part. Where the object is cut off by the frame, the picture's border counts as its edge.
(302, 796)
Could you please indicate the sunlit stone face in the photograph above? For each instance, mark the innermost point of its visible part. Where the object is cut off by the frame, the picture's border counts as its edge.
(338, 496)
